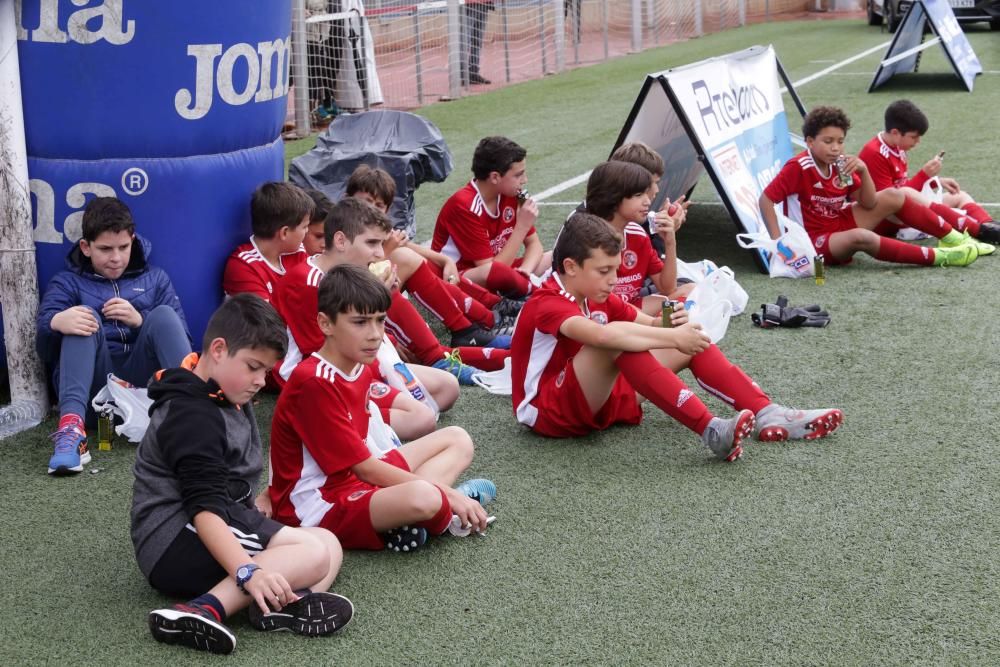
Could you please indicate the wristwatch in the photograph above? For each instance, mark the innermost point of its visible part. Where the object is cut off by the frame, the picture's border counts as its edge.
(243, 575)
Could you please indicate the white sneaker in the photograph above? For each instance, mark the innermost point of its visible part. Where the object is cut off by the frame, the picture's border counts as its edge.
(725, 436)
(776, 423)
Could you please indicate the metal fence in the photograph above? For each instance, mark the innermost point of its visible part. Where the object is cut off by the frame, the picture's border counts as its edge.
(402, 55)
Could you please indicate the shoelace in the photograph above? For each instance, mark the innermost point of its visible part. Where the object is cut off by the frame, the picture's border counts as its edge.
(454, 359)
(64, 439)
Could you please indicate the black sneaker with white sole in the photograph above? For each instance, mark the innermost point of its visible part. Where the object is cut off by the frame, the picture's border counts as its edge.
(989, 232)
(313, 615)
(192, 626)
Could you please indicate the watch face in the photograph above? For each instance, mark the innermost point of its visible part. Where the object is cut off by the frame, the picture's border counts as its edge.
(242, 572)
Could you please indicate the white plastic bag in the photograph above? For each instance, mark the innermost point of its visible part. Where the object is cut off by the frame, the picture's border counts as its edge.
(933, 190)
(128, 403)
(709, 309)
(399, 376)
(791, 254)
(496, 382)
(723, 282)
(381, 438)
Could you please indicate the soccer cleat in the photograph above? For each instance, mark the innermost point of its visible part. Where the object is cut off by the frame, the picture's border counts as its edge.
(453, 364)
(193, 626)
(71, 452)
(507, 309)
(961, 255)
(472, 336)
(725, 436)
(481, 490)
(313, 615)
(776, 423)
(405, 538)
(967, 239)
(989, 232)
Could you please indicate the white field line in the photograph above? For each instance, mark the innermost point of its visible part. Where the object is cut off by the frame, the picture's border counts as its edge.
(576, 180)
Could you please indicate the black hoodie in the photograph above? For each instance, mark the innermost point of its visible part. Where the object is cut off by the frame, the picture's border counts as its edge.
(200, 453)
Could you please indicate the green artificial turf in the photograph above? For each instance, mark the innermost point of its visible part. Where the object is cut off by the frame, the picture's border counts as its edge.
(875, 546)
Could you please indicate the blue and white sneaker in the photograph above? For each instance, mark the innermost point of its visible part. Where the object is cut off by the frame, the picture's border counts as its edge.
(481, 490)
(453, 364)
(71, 452)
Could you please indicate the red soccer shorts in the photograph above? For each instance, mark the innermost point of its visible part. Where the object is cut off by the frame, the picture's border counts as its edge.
(563, 412)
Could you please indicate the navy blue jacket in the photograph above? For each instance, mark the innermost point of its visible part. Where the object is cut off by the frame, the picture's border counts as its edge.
(143, 285)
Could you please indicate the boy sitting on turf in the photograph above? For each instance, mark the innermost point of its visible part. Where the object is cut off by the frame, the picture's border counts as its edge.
(840, 219)
(420, 269)
(353, 235)
(279, 217)
(581, 354)
(323, 472)
(111, 311)
(621, 193)
(483, 226)
(195, 529)
(885, 156)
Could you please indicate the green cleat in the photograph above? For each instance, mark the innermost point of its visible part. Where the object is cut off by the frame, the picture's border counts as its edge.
(960, 255)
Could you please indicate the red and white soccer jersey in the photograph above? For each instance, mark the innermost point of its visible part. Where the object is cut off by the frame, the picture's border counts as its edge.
(639, 260)
(888, 166)
(319, 431)
(297, 301)
(248, 271)
(467, 232)
(546, 394)
(811, 197)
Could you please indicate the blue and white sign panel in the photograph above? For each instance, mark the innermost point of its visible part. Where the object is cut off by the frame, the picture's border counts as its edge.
(735, 116)
(904, 52)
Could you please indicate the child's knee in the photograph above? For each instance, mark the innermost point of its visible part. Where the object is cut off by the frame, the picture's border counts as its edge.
(423, 500)
(421, 419)
(459, 441)
(162, 315)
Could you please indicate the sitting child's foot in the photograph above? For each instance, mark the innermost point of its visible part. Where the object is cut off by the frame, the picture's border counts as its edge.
(481, 490)
(776, 423)
(312, 615)
(725, 436)
(191, 625)
(405, 538)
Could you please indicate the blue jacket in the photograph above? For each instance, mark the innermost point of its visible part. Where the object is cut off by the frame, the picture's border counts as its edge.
(143, 285)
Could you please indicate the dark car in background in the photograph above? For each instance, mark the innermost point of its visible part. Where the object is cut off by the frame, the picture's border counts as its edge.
(966, 11)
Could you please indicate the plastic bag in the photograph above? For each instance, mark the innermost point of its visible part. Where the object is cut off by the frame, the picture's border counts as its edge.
(709, 309)
(128, 403)
(496, 382)
(399, 376)
(792, 253)
(381, 438)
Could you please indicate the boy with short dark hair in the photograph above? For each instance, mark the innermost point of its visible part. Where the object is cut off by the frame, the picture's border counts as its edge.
(841, 218)
(483, 226)
(279, 218)
(111, 311)
(580, 354)
(323, 470)
(886, 157)
(195, 529)
(420, 272)
(355, 232)
(313, 241)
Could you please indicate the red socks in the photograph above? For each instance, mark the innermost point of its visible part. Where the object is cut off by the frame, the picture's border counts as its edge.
(920, 217)
(438, 523)
(479, 293)
(977, 212)
(891, 250)
(430, 291)
(664, 389)
(473, 309)
(70, 419)
(727, 381)
(483, 358)
(411, 331)
(502, 278)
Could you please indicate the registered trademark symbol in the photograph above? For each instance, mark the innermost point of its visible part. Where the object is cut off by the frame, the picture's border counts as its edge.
(135, 181)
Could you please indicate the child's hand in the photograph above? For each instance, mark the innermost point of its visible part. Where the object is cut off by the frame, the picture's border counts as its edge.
(933, 167)
(75, 321)
(396, 239)
(691, 339)
(679, 317)
(123, 311)
(527, 214)
(950, 185)
(853, 164)
(450, 272)
(469, 511)
(263, 503)
(269, 588)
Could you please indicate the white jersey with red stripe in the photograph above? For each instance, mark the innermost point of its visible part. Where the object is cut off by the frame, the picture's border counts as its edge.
(539, 351)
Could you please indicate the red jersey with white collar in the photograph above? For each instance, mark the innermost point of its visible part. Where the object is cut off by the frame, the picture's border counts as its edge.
(888, 166)
(639, 260)
(467, 232)
(815, 199)
(248, 271)
(318, 433)
(297, 301)
(539, 351)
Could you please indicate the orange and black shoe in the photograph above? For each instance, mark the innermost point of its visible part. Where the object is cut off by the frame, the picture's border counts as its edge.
(71, 452)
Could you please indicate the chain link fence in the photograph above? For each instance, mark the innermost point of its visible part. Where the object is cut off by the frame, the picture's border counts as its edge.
(347, 56)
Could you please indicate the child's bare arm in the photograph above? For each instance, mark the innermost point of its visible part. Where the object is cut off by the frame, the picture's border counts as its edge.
(770, 217)
(866, 195)
(380, 473)
(448, 267)
(635, 336)
(533, 252)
